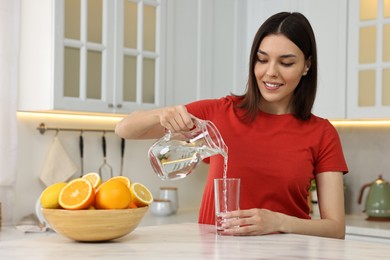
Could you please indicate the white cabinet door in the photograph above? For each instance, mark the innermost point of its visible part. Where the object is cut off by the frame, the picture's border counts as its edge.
(369, 59)
(80, 62)
(204, 49)
(331, 46)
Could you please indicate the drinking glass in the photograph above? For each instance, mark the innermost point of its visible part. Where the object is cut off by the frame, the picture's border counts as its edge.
(227, 198)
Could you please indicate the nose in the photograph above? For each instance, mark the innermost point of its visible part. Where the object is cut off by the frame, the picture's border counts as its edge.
(272, 71)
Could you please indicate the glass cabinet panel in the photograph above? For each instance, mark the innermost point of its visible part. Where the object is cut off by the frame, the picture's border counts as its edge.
(149, 36)
(368, 9)
(386, 43)
(94, 74)
(72, 19)
(71, 72)
(367, 88)
(386, 8)
(130, 24)
(130, 79)
(148, 80)
(386, 87)
(95, 18)
(367, 47)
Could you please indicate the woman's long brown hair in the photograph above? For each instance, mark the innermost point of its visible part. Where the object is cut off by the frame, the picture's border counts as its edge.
(297, 28)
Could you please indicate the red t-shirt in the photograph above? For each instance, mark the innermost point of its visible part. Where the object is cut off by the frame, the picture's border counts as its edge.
(276, 156)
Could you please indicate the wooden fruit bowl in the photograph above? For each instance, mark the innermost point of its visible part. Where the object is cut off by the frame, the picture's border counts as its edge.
(94, 225)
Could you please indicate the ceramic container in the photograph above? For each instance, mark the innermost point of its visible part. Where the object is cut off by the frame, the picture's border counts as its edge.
(170, 193)
(161, 207)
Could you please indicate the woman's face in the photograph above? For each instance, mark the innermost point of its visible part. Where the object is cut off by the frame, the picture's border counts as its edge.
(278, 70)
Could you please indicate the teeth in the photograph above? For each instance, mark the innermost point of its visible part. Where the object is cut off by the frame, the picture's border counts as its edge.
(272, 85)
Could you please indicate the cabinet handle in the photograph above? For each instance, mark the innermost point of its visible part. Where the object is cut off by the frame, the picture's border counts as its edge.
(112, 105)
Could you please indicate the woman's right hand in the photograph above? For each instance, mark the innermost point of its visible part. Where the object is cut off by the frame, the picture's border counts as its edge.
(176, 118)
(150, 124)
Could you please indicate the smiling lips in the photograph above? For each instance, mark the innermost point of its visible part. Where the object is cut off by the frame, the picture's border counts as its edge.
(272, 86)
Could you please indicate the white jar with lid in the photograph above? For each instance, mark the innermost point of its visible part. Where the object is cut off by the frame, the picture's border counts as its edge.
(170, 193)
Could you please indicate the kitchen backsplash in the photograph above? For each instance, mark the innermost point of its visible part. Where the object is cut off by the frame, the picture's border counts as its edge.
(366, 151)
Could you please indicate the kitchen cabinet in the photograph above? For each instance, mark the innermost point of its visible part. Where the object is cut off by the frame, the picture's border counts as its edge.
(91, 56)
(368, 59)
(202, 51)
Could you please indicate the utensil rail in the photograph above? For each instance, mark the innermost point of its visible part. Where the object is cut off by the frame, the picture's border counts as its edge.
(42, 128)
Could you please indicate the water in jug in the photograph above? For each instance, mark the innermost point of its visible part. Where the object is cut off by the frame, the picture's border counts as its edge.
(176, 155)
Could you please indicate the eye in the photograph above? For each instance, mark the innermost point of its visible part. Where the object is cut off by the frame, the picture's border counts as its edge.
(261, 60)
(287, 64)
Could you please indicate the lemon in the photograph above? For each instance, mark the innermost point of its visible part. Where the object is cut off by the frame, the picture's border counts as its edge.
(50, 195)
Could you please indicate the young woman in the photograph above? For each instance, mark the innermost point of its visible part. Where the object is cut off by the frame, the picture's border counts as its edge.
(276, 145)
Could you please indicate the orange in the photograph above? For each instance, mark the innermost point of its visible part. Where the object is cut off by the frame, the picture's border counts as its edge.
(94, 178)
(112, 194)
(77, 194)
(132, 205)
(141, 196)
(123, 179)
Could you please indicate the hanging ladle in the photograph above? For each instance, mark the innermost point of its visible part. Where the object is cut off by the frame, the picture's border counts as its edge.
(81, 146)
(105, 169)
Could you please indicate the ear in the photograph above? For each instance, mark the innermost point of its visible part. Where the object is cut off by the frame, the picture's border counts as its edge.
(307, 66)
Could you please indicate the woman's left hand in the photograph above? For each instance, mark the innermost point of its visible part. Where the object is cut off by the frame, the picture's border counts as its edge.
(251, 222)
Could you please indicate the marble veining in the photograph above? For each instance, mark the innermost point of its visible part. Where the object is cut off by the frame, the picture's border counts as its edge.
(188, 241)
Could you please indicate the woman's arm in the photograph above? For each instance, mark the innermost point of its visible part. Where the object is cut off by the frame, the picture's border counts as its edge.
(149, 124)
(330, 200)
(330, 191)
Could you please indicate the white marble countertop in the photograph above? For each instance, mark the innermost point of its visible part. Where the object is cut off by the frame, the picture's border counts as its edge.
(180, 237)
(356, 225)
(187, 241)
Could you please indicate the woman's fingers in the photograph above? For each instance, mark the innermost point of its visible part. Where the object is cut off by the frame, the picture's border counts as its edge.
(176, 118)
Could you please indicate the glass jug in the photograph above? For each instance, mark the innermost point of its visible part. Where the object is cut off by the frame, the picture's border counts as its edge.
(176, 155)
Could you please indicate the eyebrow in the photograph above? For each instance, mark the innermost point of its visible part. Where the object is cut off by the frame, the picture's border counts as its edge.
(282, 56)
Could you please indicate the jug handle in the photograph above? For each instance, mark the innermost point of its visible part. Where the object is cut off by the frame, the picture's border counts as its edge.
(196, 121)
(362, 191)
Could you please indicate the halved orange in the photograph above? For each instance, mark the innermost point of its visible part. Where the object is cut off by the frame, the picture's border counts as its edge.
(141, 196)
(112, 194)
(94, 178)
(77, 194)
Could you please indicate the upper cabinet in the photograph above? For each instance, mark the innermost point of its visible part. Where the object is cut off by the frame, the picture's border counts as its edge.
(116, 56)
(369, 59)
(92, 55)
